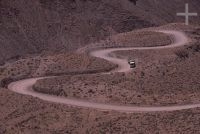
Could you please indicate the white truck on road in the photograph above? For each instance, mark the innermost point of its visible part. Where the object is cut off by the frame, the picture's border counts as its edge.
(132, 63)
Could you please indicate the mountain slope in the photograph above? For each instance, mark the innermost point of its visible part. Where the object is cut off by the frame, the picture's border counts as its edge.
(33, 26)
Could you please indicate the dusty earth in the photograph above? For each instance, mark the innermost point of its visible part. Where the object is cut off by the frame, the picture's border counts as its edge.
(34, 26)
(150, 84)
(26, 114)
(53, 37)
(55, 64)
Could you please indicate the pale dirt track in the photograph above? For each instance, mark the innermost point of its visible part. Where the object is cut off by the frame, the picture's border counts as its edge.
(25, 86)
(123, 66)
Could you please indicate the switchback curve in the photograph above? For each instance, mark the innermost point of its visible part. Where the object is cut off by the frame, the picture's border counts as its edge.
(25, 86)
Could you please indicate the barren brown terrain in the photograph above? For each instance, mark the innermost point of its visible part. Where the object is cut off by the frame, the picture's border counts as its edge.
(34, 26)
(145, 86)
(56, 64)
(139, 37)
(64, 67)
(25, 114)
(161, 78)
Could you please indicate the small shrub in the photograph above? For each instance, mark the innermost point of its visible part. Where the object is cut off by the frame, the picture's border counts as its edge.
(142, 74)
(195, 48)
(2, 70)
(5, 82)
(182, 54)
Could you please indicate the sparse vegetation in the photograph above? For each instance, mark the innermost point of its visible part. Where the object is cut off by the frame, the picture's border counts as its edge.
(158, 79)
(152, 84)
(60, 64)
(140, 39)
(27, 114)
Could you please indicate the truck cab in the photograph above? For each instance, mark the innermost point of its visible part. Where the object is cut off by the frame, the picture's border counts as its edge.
(132, 63)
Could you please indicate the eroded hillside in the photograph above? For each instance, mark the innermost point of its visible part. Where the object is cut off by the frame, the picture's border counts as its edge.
(33, 26)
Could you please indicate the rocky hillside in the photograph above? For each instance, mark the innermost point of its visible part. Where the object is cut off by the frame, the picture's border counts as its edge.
(33, 26)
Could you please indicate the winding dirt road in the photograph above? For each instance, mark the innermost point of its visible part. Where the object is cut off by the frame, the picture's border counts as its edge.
(25, 86)
(123, 66)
